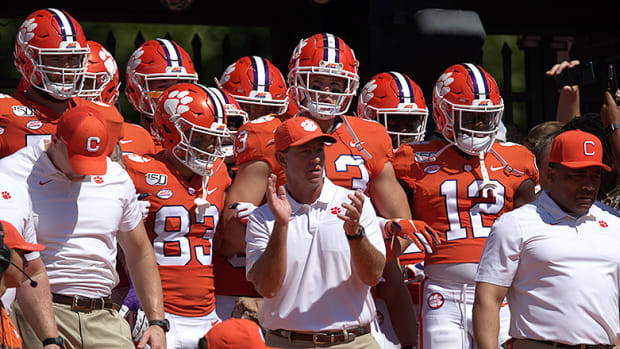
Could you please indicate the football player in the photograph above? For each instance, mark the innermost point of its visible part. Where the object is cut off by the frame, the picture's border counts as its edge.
(153, 67)
(257, 85)
(185, 186)
(394, 100)
(459, 185)
(323, 79)
(51, 55)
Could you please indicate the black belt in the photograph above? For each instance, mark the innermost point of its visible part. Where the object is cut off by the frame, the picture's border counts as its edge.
(84, 304)
(323, 337)
(573, 346)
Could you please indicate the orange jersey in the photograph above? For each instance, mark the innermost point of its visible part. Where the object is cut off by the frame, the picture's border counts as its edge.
(137, 140)
(24, 122)
(10, 335)
(347, 166)
(254, 141)
(446, 193)
(181, 234)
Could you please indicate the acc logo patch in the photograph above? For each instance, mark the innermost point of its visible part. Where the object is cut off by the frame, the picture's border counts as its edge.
(137, 158)
(22, 111)
(435, 300)
(2, 130)
(430, 169)
(156, 179)
(165, 194)
(34, 124)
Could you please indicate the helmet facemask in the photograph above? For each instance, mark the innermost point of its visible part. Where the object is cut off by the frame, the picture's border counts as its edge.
(313, 99)
(472, 128)
(403, 127)
(58, 72)
(200, 147)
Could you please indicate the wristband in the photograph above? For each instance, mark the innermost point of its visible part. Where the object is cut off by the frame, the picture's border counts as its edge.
(611, 128)
(54, 340)
(164, 324)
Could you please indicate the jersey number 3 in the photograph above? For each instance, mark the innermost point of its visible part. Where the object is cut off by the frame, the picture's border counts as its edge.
(449, 191)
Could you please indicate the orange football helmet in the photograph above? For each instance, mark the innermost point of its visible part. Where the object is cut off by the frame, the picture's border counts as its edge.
(102, 81)
(191, 124)
(329, 56)
(255, 81)
(154, 66)
(51, 53)
(467, 107)
(396, 102)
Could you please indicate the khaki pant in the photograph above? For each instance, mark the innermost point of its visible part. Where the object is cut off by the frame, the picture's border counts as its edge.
(366, 341)
(100, 329)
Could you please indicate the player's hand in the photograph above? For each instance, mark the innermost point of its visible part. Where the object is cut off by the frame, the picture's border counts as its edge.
(415, 231)
(145, 205)
(243, 210)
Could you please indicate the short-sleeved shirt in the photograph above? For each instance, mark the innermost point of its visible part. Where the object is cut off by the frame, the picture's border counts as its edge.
(563, 272)
(77, 221)
(320, 290)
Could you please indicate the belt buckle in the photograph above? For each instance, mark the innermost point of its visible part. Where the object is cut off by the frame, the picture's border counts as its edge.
(315, 335)
(74, 304)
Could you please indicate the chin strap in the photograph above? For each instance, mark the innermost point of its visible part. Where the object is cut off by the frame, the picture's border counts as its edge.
(487, 185)
(358, 144)
(201, 202)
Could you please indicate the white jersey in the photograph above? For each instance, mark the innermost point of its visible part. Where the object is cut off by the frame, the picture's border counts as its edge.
(563, 272)
(320, 290)
(77, 221)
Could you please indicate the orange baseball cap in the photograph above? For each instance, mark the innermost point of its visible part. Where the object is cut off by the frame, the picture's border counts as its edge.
(14, 240)
(577, 149)
(297, 131)
(83, 130)
(235, 334)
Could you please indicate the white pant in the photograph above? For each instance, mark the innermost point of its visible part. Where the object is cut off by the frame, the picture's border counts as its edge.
(382, 329)
(186, 331)
(446, 316)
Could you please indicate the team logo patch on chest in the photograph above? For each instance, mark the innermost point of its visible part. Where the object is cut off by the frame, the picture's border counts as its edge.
(34, 124)
(22, 111)
(430, 169)
(156, 179)
(435, 300)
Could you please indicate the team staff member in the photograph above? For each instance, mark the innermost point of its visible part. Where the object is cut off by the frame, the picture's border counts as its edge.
(69, 179)
(556, 259)
(299, 239)
(12, 250)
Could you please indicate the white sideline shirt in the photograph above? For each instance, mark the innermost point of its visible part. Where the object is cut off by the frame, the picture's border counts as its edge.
(563, 272)
(16, 208)
(320, 290)
(76, 221)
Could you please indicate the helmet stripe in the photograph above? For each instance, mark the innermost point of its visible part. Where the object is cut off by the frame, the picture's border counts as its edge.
(261, 74)
(218, 100)
(331, 48)
(173, 57)
(405, 90)
(64, 23)
(481, 88)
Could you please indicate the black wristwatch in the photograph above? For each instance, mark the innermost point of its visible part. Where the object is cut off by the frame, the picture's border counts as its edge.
(54, 340)
(164, 324)
(360, 234)
(611, 128)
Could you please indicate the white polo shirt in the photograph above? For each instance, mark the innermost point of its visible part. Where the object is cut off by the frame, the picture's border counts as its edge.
(320, 290)
(76, 221)
(563, 272)
(16, 208)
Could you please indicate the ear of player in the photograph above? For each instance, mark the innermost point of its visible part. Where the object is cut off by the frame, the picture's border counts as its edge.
(415, 231)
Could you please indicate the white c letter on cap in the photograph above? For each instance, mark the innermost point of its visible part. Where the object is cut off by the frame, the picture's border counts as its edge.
(585, 148)
(95, 140)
